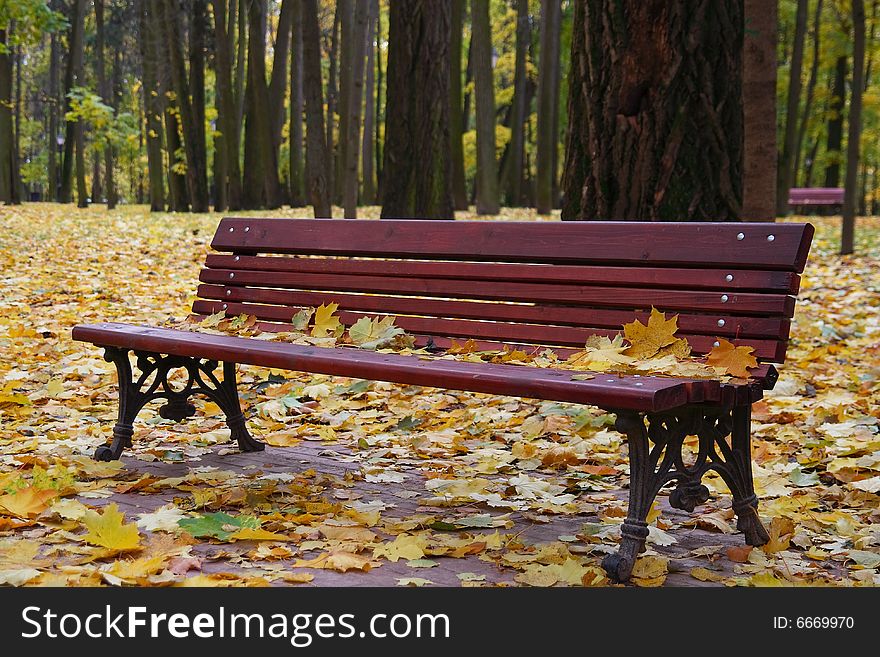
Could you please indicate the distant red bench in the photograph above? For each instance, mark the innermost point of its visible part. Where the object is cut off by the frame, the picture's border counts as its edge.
(815, 196)
(540, 284)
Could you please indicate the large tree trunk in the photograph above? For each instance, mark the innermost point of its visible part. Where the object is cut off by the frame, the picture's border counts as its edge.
(280, 73)
(785, 173)
(345, 9)
(847, 237)
(152, 105)
(835, 124)
(295, 177)
(262, 188)
(759, 112)
(240, 57)
(811, 88)
(316, 144)
(355, 95)
(52, 162)
(332, 98)
(368, 194)
(197, 43)
(193, 129)
(456, 125)
(484, 92)
(547, 98)
(417, 170)
(512, 172)
(7, 142)
(379, 96)
(72, 73)
(226, 107)
(657, 125)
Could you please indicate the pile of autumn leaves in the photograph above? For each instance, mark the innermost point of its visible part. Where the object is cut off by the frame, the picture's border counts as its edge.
(651, 348)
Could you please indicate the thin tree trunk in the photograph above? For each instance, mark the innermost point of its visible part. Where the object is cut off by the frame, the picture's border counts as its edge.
(82, 199)
(371, 43)
(835, 124)
(193, 130)
(547, 70)
(280, 72)
(177, 188)
(484, 91)
(347, 37)
(643, 146)
(759, 112)
(512, 172)
(355, 95)
(197, 42)
(71, 75)
(104, 90)
(847, 236)
(378, 148)
(811, 87)
(240, 75)
(7, 177)
(459, 187)
(330, 160)
(262, 188)
(152, 106)
(296, 109)
(226, 107)
(52, 162)
(316, 144)
(418, 170)
(785, 173)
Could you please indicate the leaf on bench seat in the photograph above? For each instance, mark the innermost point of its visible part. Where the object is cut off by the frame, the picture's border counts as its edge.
(648, 339)
(326, 323)
(736, 360)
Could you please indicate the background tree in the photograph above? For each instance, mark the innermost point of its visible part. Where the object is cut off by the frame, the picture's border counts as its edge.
(548, 99)
(417, 150)
(785, 172)
(72, 72)
(850, 201)
(484, 91)
(456, 119)
(316, 145)
(295, 177)
(642, 144)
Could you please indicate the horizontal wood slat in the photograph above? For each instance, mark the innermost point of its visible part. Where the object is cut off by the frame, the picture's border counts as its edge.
(664, 277)
(646, 393)
(762, 245)
(487, 330)
(734, 325)
(612, 297)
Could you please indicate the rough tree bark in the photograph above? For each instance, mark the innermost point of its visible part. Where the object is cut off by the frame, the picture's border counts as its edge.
(655, 110)
(355, 95)
(456, 124)
(280, 73)
(835, 124)
(332, 93)
(345, 9)
(368, 193)
(316, 144)
(198, 29)
(484, 92)
(226, 112)
(785, 172)
(548, 63)
(847, 236)
(512, 173)
(417, 168)
(71, 75)
(262, 188)
(152, 107)
(759, 111)
(295, 181)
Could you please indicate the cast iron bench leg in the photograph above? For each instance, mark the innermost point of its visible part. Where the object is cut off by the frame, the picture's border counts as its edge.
(152, 384)
(653, 467)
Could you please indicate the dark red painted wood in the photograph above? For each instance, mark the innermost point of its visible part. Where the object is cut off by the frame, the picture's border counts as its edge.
(646, 393)
(664, 277)
(734, 325)
(610, 297)
(644, 244)
(484, 330)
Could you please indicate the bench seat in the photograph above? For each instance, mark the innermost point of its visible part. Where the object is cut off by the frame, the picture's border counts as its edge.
(632, 392)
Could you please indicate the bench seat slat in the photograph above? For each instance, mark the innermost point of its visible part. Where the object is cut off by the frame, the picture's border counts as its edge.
(664, 277)
(631, 392)
(487, 330)
(612, 297)
(599, 242)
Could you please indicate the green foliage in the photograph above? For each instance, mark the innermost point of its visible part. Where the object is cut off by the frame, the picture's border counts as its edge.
(26, 21)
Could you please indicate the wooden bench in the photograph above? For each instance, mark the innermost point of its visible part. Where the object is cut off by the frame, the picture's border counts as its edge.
(815, 196)
(498, 283)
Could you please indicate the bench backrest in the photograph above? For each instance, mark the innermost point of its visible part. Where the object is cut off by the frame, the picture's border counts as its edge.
(815, 196)
(532, 283)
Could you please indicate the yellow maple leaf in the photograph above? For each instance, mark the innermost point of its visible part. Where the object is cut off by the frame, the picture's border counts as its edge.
(136, 569)
(601, 353)
(404, 546)
(326, 324)
(250, 534)
(736, 360)
(647, 340)
(27, 502)
(109, 530)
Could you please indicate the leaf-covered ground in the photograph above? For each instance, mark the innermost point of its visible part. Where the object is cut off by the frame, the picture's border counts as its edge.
(370, 483)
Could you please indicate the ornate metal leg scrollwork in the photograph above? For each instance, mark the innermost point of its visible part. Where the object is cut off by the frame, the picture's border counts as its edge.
(652, 467)
(153, 384)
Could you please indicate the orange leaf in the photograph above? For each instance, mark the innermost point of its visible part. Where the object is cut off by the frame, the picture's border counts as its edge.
(27, 502)
(736, 360)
